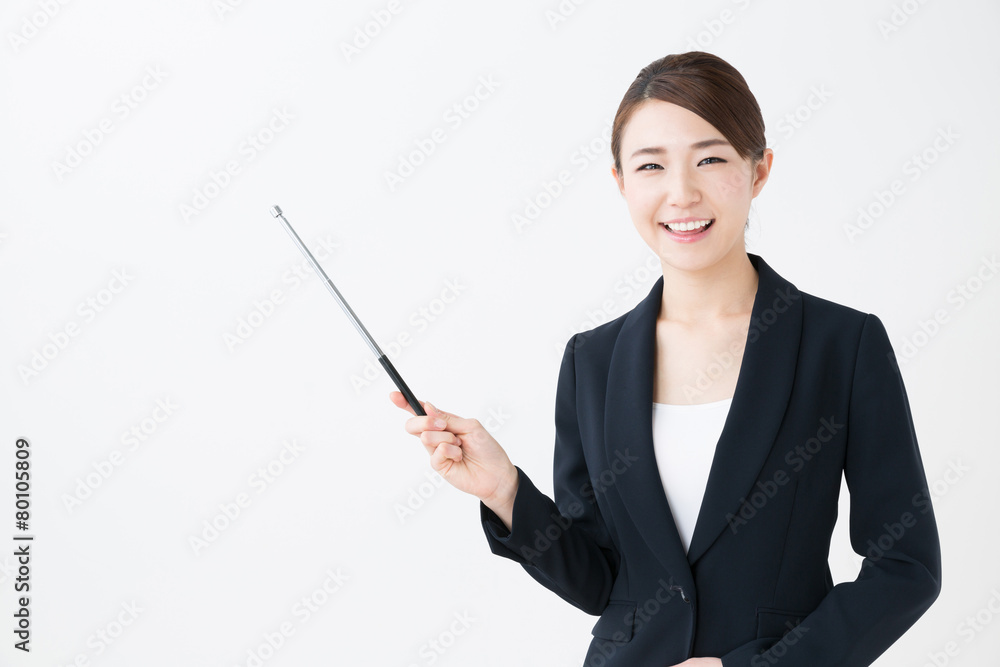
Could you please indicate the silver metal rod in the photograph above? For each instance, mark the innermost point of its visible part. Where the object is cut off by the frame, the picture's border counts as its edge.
(276, 212)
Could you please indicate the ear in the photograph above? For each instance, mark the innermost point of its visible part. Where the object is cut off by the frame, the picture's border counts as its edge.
(762, 171)
(619, 181)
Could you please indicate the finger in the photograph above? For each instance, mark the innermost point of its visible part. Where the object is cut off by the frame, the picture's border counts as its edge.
(445, 452)
(432, 439)
(400, 401)
(434, 411)
(429, 422)
(397, 399)
(419, 424)
(455, 423)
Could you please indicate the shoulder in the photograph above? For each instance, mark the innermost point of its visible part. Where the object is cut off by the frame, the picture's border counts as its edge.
(840, 330)
(831, 313)
(600, 339)
(777, 295)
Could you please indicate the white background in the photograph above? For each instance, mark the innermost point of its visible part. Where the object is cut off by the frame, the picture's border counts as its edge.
(848, 105)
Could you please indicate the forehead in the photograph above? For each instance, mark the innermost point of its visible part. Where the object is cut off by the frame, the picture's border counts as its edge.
(655, 122)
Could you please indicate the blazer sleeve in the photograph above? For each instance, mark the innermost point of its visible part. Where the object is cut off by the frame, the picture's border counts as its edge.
(563, 544)
(891, 523)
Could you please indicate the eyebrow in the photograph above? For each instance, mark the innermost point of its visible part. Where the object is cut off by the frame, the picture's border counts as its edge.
(659, 150)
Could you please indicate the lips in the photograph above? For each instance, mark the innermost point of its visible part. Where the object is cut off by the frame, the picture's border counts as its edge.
(690, 227)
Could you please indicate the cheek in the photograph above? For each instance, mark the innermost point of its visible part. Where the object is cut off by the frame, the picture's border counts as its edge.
(733, 184)
(640, 201)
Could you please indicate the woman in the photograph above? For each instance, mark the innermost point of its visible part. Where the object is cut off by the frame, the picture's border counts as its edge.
(702, 436)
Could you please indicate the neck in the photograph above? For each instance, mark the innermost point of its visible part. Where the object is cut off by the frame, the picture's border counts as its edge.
(722, 290)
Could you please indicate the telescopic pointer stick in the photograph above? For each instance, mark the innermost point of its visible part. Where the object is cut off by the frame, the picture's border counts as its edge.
(384, 360)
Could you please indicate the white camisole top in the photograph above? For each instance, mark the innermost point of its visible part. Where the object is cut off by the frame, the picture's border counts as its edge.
(684, 440)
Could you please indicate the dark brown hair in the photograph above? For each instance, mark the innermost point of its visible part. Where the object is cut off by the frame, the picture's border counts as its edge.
(703, 84)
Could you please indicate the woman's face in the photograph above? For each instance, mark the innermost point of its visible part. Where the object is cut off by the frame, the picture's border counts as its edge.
(677, 166)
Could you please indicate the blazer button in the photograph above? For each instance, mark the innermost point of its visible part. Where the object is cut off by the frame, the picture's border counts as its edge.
(683, 594)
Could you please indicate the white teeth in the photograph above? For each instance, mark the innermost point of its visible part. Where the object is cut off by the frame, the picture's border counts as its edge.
(687, 226)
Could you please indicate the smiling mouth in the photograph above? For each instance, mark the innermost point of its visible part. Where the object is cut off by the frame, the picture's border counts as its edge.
(688, 228)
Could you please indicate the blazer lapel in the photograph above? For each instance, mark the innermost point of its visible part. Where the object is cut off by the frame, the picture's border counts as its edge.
(763, 388)
(628, 429)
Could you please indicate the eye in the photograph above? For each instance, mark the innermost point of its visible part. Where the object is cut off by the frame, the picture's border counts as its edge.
(648, 164)
(713, 158)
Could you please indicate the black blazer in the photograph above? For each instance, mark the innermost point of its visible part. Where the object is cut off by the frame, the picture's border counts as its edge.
(818, 395)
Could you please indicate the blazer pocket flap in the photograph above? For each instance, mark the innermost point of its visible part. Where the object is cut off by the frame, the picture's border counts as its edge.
(777, 622)
(616, 622)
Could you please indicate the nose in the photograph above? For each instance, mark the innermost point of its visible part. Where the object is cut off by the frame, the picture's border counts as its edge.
(680, 188)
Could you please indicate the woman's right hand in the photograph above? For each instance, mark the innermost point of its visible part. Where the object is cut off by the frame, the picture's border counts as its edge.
(464, 453)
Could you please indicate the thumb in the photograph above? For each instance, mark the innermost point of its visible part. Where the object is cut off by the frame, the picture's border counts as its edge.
(434, 411)
(454, 423)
